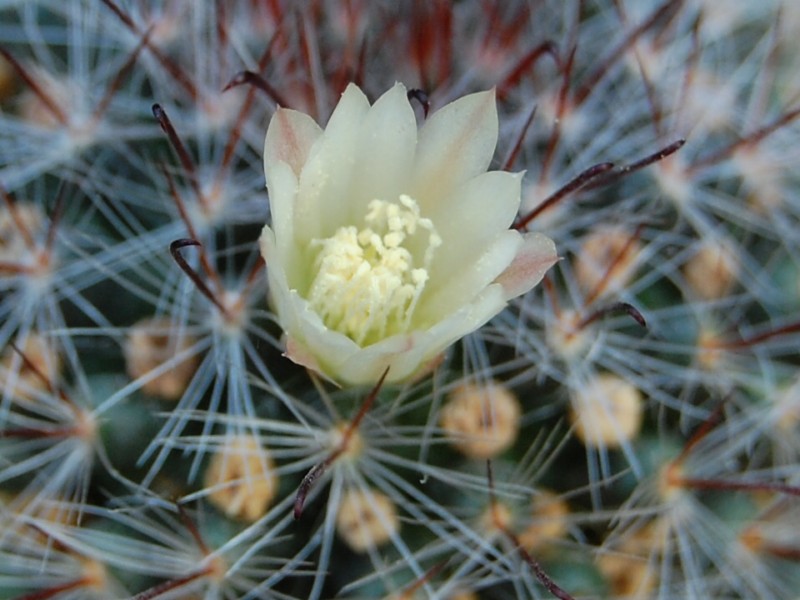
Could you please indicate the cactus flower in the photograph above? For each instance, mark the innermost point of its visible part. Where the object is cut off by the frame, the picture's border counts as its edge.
(388, 243)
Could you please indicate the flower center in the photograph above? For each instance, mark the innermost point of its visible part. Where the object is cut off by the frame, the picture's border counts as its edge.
(366, 284)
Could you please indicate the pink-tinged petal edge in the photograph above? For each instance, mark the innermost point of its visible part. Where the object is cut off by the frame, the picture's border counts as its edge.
(535, 257)
(299, 355)
(290, 136)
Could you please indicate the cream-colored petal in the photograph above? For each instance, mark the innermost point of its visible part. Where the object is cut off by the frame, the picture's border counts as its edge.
(487, 304)
(336, 356)
(293, 313)
(327, 177)
(309, 342)
(327, 346)
(536, 255)
(406, 355)
(301, 355)
(282, 197)
(276, 275)
(400, 353)
(474, 213)
(385, 152)
(455, 144)
(466, 274)
(290, 136)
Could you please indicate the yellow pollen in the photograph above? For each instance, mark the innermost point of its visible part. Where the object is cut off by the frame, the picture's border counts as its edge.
(367, 283)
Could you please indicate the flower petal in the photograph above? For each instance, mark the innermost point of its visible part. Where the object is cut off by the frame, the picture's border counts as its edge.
(535, 257)
(313, 338)
(407, 355)
(312, 345)
(386, 148)
(326, 178)
(308, 342)
(282, 200)
(276, 274)
(462, 278)
(400, 353)
(488, 303)
(282, 195)
(290, 136)
(476, 211)
(455, 144)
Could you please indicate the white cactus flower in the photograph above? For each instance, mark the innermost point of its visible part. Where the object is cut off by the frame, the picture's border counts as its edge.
(390, 243)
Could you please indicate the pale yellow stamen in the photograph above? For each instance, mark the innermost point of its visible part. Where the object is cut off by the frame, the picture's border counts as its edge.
(366, 284)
